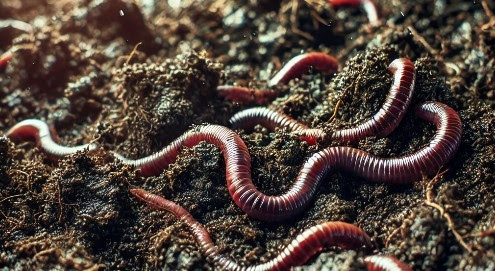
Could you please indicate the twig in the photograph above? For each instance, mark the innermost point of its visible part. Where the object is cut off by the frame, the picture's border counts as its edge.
(314, 5)
(483, 233)
(132, 53)
(336, 108)
(293, 5)
(422, 40)
(59, 202)
(339, 102)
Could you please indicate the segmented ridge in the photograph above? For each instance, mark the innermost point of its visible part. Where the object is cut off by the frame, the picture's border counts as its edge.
(294, 68)
(385, 263)
(303, 63)
(299, 251)
(39, 131)
(408, 168)
(381, 124)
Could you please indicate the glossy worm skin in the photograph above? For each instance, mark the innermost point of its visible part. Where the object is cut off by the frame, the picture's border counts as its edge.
(246, 95)
(235, 152)
(248, 118)
(16, 24)
(300, 250)
(404, 169)
(5, 58)
(385, 263)
(303, 63)
(369, 6)
(296, 67)
(381, 124)
(39, 131)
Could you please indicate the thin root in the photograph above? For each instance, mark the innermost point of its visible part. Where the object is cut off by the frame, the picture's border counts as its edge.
(483, 233)
(423, 41)
(59, 202)
(132, 53)
(430, 196)
(402, 228)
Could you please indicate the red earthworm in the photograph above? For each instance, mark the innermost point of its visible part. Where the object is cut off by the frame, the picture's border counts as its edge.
(303, 63)
(5, 58)
(246, 95)
(380, 124)
(300, 250)
(39, 130)
(385, 263)
(296, 67)
(408, 168)
(237, 158)
(369, 6)
(248, 118)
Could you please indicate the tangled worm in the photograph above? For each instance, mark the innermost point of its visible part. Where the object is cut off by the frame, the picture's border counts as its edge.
(380, 124)
(299, 251)
(39, 131)
(404, 169)
(296, 67)
(385, 263)
(369, 6)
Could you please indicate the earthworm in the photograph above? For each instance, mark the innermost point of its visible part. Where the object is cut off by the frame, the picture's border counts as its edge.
(5, 58)
(294, 68)
(303, 63)
(237, 158)
(19, 25)
(385, 263)
(380, 124)
(404, 169)
(300, 250)
(369, 6)
(39, 130)
(246, 95)
(248, 118)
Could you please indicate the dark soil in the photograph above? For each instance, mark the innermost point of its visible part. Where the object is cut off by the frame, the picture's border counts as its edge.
(76, 212)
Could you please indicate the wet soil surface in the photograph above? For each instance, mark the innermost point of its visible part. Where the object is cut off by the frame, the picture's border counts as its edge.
(76, 71)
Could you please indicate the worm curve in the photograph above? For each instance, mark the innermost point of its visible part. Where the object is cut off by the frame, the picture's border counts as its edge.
(369, 6)
(303, 63)
(246, 95)
(294, 68)
(16, 24)
(300, 250)
(385, 263)
(380, 124)
(404, 169)
(5, 58)
(39, 131)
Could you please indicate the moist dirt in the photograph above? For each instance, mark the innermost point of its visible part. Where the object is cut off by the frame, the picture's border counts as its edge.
(78, 71)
